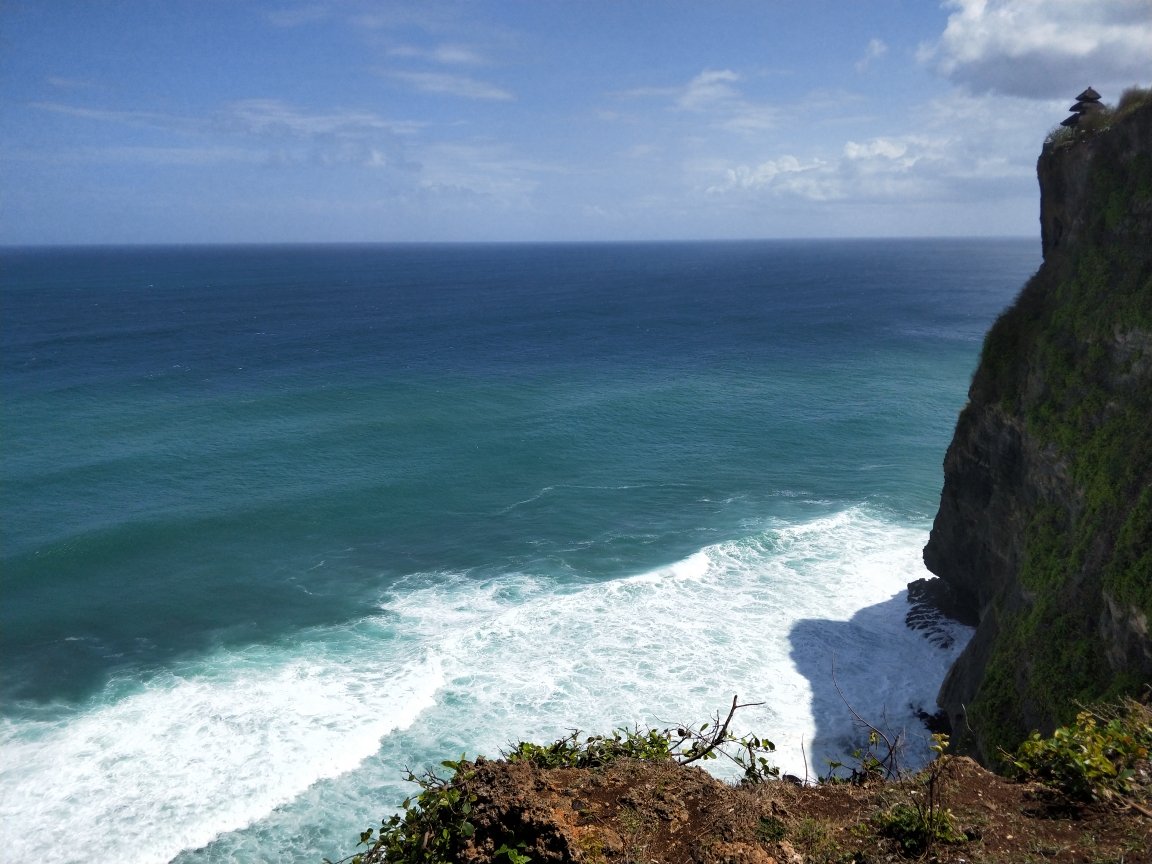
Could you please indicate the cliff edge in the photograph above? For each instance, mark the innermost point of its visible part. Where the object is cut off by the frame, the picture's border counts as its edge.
(1044, 533)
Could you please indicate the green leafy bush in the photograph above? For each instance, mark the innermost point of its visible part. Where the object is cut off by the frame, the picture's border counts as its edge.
(435, 825)
(917, 830)
(1095, 757)
(925, 821)
(594, 751)
(869, 767)
(514, 854)
(1133, 98)
(684, 744)
(432, 827)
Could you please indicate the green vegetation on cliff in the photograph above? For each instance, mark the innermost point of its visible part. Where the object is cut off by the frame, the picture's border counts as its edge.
(1103, 755)
(630, 797)
(1070, 365)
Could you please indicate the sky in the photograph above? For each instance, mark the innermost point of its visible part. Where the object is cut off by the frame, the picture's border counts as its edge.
(251, 122)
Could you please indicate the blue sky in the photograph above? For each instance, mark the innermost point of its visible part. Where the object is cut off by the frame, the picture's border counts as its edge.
(161, 122)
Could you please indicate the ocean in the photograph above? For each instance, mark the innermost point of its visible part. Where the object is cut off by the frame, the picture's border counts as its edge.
(278, 522)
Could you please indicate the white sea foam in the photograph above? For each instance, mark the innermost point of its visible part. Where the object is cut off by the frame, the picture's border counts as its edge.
(185, 758)
(466, 664)
(762, 617)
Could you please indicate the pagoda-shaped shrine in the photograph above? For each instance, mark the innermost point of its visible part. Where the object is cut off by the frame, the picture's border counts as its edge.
(1086, 102)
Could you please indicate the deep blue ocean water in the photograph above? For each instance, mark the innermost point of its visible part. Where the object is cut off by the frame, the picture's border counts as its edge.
(279, 521)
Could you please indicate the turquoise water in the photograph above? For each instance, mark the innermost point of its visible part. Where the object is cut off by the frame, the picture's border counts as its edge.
(280, 521)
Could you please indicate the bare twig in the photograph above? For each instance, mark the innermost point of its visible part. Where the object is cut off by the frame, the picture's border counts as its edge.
(705, 744)
(1141, 808)
(805, 755)
(891, 762)
(966, 723)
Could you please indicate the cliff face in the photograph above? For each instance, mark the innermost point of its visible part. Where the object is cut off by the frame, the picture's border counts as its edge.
(1044, 533)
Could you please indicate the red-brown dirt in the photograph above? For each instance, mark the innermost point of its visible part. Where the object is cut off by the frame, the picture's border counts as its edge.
(663, 813)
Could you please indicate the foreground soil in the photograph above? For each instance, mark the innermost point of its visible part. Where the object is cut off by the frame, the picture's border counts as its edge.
(663, 813)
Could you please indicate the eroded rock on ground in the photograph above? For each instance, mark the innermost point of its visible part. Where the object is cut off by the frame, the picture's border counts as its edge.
(663, 813)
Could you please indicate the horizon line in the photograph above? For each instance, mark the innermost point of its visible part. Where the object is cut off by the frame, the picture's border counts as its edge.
(180, 244)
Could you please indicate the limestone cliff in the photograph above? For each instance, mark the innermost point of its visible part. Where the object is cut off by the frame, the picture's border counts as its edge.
(1044, 533)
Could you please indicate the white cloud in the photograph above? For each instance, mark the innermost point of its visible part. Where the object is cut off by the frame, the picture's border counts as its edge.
(141, 155)
(327, 138)
(452, 85)
(898, 155)
(491, 171)
(274, 118)
(453, 55)
(707, 89)
(712, 92)
(945, 164)
(991, 136)
(262, 117)
(145, 119)
(1044, 48)
(880, 168)
(894, 150)
(814, 179)
(875, 50)
(749, 117)
(877, 147)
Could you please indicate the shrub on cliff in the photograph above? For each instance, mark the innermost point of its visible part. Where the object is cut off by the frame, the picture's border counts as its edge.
(435, 825)
(684, 744)
(1104, 753)
(431, 828)
(925, 821)
(1101, 120)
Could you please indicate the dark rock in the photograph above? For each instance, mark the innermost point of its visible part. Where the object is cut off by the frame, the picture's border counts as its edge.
(1014, 493)
(937, 723)
(933, 601)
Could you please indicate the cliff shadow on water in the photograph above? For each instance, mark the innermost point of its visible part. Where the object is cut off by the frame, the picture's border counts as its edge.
(1044, 533)
(886, 664)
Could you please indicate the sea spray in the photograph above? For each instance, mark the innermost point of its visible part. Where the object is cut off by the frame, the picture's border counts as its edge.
(454, 663)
